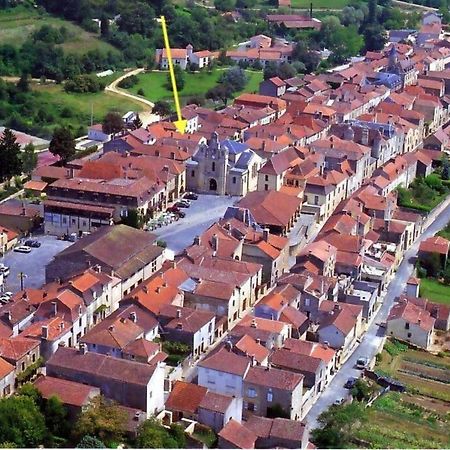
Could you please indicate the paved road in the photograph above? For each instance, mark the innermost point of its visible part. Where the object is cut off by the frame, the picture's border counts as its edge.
(201, 215)
(32, 264)
(374, 335)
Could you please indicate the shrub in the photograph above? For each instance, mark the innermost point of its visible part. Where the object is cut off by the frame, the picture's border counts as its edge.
(129, 82)
(141, 92)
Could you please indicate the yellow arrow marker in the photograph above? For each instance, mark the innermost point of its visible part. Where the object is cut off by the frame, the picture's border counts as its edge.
(180, 123)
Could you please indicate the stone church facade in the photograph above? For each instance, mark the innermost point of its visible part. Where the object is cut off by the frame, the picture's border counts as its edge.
(227, 168)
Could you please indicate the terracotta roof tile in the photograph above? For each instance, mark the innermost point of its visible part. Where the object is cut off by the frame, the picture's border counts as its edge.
(274, 378)
(185, 397)
(238, 435)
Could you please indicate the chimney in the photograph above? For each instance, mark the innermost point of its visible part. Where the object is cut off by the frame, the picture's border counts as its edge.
(254, 324)
(178, 313)
(83, 349)
(8, 315)
(253, 360)
(98, 268)
(269, 366)
(419, 321)
(365, 136)
(44, 332)
(144, 289)
(326, 344)
(258, 341)
(158, 289)
(337, 307)
(111, 328)
(61, 326)
(179, 326)
(266, 234)
(197, 240)
(215, 242)
(55, 308)
(133, 316)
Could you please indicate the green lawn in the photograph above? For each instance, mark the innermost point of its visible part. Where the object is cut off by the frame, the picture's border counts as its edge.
(434, 290)
(445, 233)
(154, 84)
(17, 24)
(55, 100)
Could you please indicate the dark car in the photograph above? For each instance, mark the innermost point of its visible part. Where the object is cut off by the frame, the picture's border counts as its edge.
(180, 214)
(190, 196)
(350, 383)
(33, 243)
(173, 209)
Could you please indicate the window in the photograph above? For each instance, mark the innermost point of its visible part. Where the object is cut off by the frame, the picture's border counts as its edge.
(23, 366)
(266, 178)
(307, 301)
(266, 187)
(316, 199)
(409, 335)
(33, 357)
(150, 394)
(7, 390)
(234, 180)
(213, 166)
(251, 406)
(251, 393)
(80, 322)
(407, 326)
(270, 395)
(193, 173)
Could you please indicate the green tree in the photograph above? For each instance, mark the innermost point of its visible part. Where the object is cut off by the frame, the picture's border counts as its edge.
(112, 123)
(179, 78)
(103, 420)
(337, 424)
(374, 37)
(62, 144)
(23, 85)
(104, 26)
(29, 159)
(10, 163)
(151, 434)
(235, 77)
(362, 390)
(55, 414)
(225, 5)
(132, 219)
(221, 92)
(432, 263)
(21, 422)
(162, 108)
(90, 442)
(137, 123)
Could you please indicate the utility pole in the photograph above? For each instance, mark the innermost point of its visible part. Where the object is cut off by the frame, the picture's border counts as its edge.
(92, 114)
(21, 277)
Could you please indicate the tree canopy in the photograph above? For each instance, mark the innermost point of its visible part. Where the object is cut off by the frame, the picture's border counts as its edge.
(10, 163)
(62, 144)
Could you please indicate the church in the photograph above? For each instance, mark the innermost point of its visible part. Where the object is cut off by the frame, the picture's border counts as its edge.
(223, 168)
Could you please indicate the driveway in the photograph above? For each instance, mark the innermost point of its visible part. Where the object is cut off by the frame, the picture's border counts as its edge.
(200, 216)
(374, 335)
(32, 264)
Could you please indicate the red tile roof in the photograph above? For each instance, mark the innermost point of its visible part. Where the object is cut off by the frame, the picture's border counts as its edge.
(216, 402)
(5, 368)
(412, 313)
(69, 392)
(435, 244)
(238, 435)
(185, 397)
(274, 378)
(226, 361)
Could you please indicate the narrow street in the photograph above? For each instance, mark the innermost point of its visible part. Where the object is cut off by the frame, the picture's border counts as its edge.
(374, 335)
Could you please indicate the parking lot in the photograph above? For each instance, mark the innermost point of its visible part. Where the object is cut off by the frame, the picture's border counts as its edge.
(31, 264)
(201, 214)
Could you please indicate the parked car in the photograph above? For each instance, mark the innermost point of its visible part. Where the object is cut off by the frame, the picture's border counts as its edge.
(183, 204)
(4, 300)
(33, 243)
(350, 383)
(173, 209)
(180, 214)
(339, 401)
(22, 249)
(362, 363)
(190, 196)
(7, 294)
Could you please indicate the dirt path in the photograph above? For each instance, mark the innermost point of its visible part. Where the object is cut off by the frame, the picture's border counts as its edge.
(146, 115)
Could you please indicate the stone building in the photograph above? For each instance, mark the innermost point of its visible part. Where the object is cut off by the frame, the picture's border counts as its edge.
(223, 168)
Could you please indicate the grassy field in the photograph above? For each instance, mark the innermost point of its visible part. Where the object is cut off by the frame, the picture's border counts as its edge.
(445, 233)
(154, 84)
(56, 101)
(17, 24)
(434, 290)
(396, 422)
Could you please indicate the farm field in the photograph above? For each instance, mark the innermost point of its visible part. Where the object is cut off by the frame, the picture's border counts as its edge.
(417, 418)
(434, 290)
(17, 24)
(423, 373)
(154, 84)
(394, 421)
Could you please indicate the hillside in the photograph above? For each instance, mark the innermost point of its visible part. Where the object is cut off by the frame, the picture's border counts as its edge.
(17, 24)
